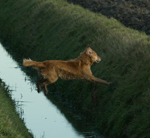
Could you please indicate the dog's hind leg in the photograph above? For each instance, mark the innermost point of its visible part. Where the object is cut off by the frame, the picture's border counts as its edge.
(45, 86)
(50, 80)
(38, 84)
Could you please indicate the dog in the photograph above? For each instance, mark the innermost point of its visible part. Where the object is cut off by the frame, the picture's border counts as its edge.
(78, 68)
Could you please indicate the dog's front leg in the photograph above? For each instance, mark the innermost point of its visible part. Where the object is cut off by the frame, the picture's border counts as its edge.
(97, 80)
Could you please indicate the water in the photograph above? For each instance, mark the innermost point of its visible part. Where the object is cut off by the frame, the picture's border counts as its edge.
(41, 117)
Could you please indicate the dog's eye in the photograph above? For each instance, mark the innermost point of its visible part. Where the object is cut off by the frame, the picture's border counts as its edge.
(90, 52)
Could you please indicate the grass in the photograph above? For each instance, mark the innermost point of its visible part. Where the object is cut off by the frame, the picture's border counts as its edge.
(54, 29)
(11, 126)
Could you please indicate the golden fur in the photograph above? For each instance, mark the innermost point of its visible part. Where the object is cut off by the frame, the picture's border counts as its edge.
(78, 68)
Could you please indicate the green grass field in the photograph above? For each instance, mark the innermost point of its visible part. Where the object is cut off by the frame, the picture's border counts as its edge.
(53, 29)
(11, 126)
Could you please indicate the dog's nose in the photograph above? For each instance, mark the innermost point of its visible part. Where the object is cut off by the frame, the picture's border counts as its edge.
(98, 60)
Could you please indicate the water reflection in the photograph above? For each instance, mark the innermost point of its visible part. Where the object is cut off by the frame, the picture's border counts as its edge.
(41, 116)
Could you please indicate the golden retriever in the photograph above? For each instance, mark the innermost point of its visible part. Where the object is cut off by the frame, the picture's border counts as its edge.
(78, 68)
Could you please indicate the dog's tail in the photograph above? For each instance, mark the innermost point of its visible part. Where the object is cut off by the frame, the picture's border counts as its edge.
(29, 62)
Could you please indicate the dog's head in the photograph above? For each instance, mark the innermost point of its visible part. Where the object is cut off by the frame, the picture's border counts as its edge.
(93, 55)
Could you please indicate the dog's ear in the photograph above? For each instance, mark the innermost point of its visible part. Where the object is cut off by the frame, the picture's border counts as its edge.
(88, 50)
(88, 46)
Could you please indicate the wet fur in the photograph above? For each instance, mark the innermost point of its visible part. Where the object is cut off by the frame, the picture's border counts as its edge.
(78, 68)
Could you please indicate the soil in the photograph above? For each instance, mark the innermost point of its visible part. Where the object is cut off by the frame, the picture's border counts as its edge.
(132, 13)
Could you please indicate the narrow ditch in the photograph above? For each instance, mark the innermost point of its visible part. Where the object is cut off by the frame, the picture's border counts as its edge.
(40, 115)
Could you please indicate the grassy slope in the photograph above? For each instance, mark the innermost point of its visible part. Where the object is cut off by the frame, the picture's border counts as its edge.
(53, 29)
(11, 126)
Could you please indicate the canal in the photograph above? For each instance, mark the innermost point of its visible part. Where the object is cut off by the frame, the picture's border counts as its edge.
(40, 115)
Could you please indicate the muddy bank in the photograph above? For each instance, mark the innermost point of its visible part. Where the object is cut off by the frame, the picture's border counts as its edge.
(132, 13)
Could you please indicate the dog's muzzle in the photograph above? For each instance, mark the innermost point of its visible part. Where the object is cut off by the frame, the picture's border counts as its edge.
(98, 60)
